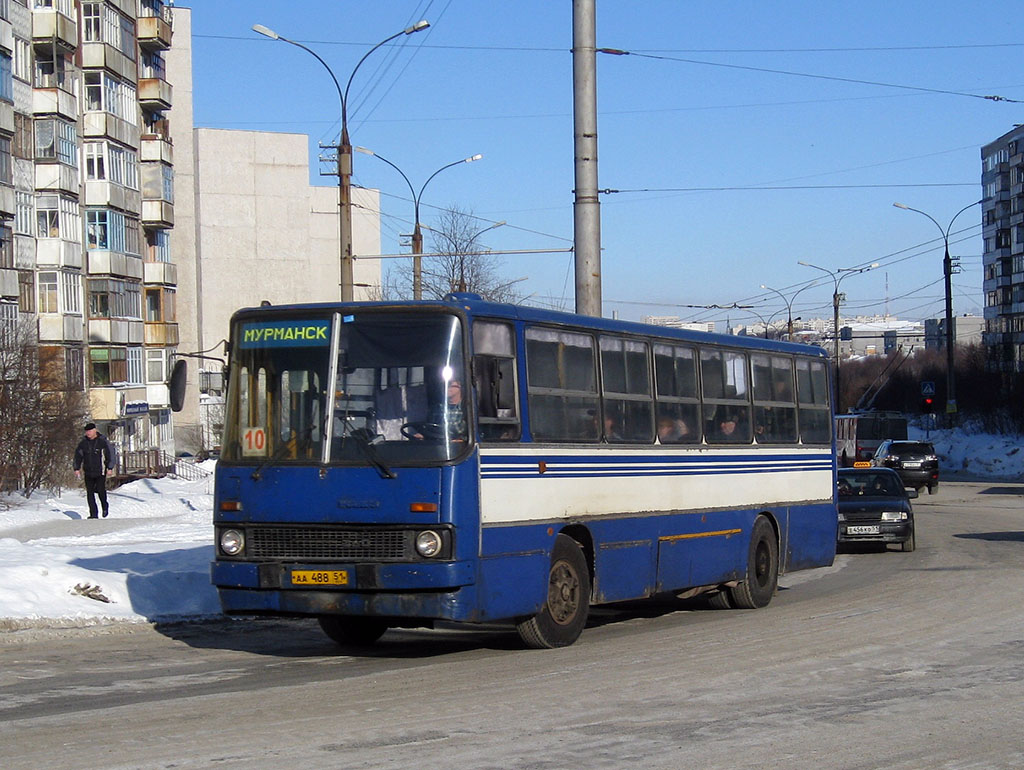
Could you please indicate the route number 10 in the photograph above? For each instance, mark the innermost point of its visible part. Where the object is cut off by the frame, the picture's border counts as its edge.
(254, 441)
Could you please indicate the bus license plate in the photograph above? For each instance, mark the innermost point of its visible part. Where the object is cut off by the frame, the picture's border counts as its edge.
(863, 530)
(319, 577)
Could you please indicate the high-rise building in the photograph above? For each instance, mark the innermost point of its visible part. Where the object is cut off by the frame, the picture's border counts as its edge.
(87, 203)
(1002, 178)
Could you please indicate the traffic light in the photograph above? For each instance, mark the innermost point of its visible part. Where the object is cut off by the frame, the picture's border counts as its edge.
(927, 404)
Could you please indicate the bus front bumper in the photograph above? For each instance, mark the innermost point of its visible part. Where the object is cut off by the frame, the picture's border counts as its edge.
(420, 590)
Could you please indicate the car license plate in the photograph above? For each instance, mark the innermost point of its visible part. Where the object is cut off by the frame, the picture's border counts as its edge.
(912, 465)
(319, 577)
(863, 529)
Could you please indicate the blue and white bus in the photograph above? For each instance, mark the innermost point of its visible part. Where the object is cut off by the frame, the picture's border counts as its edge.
(398, 464)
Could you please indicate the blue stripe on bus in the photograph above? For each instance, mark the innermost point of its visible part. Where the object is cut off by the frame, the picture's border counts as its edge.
(582, 466)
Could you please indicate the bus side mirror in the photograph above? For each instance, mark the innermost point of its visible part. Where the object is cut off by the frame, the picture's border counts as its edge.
(176, 385)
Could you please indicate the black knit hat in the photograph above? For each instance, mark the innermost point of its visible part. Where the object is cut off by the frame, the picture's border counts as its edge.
(90, 426)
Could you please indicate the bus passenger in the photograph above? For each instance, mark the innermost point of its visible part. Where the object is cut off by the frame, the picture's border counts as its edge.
(672, 431)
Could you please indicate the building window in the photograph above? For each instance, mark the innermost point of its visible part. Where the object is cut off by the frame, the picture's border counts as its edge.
(105, 93)
(160, 305)
(6, 77)
(57, 215)
(134, 366)
(108, 366)
(57, 287)
(6, 246)
(57, 139)
(155, 366)
(23, 146)
(113, 298)
(24, 213)
(8, 320)
(153, 9)
(71, 287)
(92, 30)
(6, 161)
(152, 66)
(158, 246)
(109, 230)
(22, 60)
(26, 291)
(48, 292)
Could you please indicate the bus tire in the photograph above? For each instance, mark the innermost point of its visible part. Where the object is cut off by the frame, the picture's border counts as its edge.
(720, 600)
(564, 615)
(352, 631)
(762, 577)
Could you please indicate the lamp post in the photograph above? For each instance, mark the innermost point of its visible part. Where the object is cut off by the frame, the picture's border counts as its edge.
(417, 231)
(837, 278)
(789, 307)
(761, 318)
(344, 148)
(947, 272)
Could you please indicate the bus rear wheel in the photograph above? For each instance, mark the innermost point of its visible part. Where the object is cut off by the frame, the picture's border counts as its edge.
(564, 615)
(762, 577)
(353, 631)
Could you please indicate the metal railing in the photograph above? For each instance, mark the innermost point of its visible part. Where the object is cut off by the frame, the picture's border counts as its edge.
(154, 463)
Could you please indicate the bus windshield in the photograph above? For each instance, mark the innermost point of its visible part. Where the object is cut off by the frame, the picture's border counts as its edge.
(369, 388)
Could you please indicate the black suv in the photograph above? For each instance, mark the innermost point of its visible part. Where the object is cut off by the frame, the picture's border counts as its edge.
(915, 462)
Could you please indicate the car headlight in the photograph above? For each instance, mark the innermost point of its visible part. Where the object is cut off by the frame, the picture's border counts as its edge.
(894, 515)
(232, 541)
(428, 543)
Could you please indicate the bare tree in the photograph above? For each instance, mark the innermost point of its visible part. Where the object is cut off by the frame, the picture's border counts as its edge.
(41, 413)
(462, 266)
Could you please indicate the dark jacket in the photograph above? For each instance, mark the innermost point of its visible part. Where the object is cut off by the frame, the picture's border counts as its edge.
(92, 455)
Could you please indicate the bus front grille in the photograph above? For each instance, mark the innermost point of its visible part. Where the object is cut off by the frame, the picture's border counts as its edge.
(329, 543)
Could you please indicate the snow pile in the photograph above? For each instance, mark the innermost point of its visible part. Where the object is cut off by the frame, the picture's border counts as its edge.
(148, 561)
(978, 454)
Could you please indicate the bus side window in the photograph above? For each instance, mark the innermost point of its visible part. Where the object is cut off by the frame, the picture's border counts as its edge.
(494, 375)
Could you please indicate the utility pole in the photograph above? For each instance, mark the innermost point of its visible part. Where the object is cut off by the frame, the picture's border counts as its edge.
(586, 208)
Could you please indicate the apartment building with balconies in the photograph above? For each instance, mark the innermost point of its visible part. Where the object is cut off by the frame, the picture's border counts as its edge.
(87, 203)
(1002, 179)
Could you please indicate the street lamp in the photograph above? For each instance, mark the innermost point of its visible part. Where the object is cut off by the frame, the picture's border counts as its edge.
(344, 149)
(947, 271)
(837, 278)
(761, 318)
(789, 306)
(417, 231)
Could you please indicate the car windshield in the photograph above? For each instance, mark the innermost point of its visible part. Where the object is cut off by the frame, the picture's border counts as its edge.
(390, 396)
(869, 484)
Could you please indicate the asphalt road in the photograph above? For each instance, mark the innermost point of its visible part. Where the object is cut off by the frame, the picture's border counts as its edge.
(905, 661)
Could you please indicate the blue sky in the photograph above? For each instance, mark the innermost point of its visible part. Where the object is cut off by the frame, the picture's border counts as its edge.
(842, 108)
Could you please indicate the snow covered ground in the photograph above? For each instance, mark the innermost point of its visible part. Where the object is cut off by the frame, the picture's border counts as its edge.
(149, 561)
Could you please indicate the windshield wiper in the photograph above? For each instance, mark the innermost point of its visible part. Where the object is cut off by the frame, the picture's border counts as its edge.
(300, 442)
(367, 442)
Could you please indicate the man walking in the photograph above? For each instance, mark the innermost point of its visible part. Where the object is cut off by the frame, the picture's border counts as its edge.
(94, 459)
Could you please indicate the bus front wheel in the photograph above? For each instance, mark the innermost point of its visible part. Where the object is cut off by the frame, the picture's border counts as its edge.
(353, 631)
(762, 578)
(562, 618)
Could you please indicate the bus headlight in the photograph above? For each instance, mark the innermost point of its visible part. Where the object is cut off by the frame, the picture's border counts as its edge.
(428, 543)
(232, 541)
